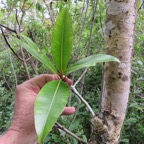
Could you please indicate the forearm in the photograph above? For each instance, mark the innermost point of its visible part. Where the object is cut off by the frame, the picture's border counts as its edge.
(14, 137)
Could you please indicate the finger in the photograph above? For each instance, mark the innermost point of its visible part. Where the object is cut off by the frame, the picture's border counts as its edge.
(41, 80)
(68, 111)
(68, 81)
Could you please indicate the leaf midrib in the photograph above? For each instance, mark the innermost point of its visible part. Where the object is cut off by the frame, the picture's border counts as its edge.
(52, 101)
(62, 44)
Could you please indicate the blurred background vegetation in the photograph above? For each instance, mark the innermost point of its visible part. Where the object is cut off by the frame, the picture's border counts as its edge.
(36, 19)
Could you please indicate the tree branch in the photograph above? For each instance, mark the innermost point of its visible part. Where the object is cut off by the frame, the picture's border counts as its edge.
(80, 77)
(10, 45)
(70, 133)
(92, 24)
(83, 100)
(49, 8)
(8, 28)
(17, 17)
(83, 24)
(22, 51)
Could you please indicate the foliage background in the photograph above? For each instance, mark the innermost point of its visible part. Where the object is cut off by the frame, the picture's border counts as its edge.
(88, 19)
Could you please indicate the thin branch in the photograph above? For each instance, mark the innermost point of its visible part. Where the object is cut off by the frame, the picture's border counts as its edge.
(70, 133)
(82, 84)
(8, 85)
(141, 6)
(9, 45)
(83, 6)
(80, 99)
(76, 113)
(17, 17)
(13, 69)
(8, 28)
(82, 11)
(83, 23)
(79, 102)
(70, 97)
(21, 20)
(49, 8)
(7, 16)
(28, 58)
(29, 7)
(23, 13)
(21, 48)
(80, 77)
(83, 100)
(101, 24)
(22, 5)
(139, 96)
(32, 64)
(24, 63)
(92, 24)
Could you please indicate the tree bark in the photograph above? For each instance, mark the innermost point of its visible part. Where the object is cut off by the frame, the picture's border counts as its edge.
(120, 31)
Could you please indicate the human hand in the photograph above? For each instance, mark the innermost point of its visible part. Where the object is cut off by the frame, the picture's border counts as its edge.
(23, 118)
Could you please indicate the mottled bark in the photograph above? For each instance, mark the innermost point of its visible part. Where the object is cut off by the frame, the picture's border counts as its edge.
(120, 31)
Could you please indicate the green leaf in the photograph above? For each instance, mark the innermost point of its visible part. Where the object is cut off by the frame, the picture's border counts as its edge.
(131, 120)
(62, 38)
(49, 105)
(90, 61)
(30, 42)
(126, 140)
(33, 49)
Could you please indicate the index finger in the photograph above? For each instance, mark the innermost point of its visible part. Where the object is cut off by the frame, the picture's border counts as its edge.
(41, 80)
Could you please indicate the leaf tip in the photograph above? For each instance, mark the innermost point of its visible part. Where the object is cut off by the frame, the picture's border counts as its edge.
(117, 60)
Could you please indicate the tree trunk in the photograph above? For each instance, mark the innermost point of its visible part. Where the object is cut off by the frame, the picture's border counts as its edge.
(120, 31)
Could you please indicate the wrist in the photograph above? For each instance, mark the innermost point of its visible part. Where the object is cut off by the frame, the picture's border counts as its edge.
(15, 137)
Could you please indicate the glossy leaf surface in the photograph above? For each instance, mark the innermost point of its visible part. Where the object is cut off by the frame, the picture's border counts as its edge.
(90, 61)
(49, 104)
(62, 38)
(33, 49)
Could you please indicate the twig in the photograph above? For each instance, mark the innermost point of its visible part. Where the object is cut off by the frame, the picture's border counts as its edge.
(70, 97)
(21, 20)
(7, 16)
(82, 84)
(76, 113)
(17, 17)
(70, 133)
(79, 102)
(9, 45)
(80, 77)
(23, 5)
(92, 24)
(82, 11)
(12, 66)
(21, 48)
(83, 100)
(83, 23)
(101, 24)
(8, 85)
(32, 64)
(141, 6)
(49, 8)
(29, 7)
(28, 58)
(8, 28)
